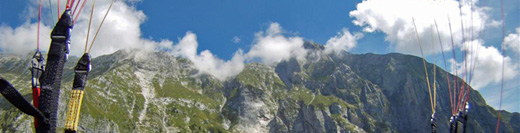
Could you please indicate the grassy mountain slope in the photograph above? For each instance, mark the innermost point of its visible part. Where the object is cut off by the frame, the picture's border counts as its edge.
(138, 91)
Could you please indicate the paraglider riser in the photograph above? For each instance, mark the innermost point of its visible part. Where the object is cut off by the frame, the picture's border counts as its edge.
(51, 77)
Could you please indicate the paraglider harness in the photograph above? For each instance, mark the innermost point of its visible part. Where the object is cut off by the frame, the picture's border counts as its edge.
(433, 123)
(46, 81)
(458, 122)
(76, 97)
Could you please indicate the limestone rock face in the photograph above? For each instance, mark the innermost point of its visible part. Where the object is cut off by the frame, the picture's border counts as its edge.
(143, 91)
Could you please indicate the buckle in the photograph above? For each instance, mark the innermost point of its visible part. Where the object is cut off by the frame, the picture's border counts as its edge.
(37, 68)
(83, 65)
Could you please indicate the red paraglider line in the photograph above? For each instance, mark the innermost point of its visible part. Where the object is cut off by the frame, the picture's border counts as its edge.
(461, 90)
(38, 30)
(59, 10)
(79, 12)
(455, 80)
(445, 66)
(461, 94)
(67, 5)
(36, 90)
(72, 4)
(75, 8)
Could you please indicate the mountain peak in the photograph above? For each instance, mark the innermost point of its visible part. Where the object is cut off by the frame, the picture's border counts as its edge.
(158, 92)
(313, 46)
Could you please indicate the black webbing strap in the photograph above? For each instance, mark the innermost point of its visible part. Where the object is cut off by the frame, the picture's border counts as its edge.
(15, 98)
(459, 123)
(51, 77)
(81, 72)
(453, 124)
(76, 96)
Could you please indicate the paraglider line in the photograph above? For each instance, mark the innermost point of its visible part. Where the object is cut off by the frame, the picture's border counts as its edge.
(99, 28)
(75, 8)
(79, 12)
(39, 21)
(503, 63)
(445, 65)
(52, 12)
(89, 24)
(424, 63)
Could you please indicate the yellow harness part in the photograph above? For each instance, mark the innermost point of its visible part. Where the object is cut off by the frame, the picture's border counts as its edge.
(74, 107)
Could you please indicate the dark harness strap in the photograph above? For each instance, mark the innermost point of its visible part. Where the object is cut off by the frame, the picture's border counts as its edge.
(458, 123)
(76, 97)
(15, 98)
(433, 123)
(51, 77)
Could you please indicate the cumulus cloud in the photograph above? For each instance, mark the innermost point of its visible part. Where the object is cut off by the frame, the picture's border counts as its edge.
(343, 41)
(512, 41)
(120, 30)
(487, 61)
(272, 47)
(394, 18)
(206, 62)
(21, 40)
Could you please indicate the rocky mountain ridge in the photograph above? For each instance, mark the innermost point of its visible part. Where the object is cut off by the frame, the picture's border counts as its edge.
(138, 91)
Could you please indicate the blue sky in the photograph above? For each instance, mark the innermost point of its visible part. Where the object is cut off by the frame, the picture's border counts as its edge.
(218, 22)
(230, 33)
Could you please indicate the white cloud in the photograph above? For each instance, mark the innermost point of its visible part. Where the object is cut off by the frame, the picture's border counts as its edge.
(272, 47)
(21, 40)
(494, 23)
(343, 41)
(512, 41)
(236, 39)
(394, 18)
(206, 62)
(120, 30)
(488, 65)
